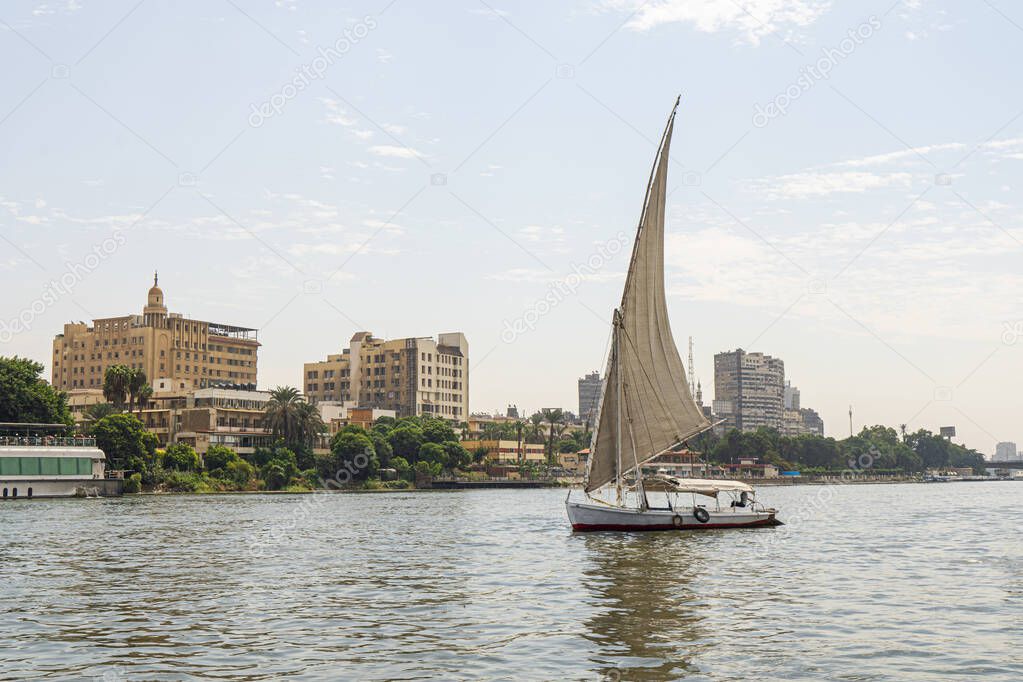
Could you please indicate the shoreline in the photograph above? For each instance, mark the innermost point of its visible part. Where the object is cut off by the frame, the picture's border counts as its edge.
(536, 485)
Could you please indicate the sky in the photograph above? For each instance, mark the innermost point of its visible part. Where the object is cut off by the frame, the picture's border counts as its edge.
(844, 185)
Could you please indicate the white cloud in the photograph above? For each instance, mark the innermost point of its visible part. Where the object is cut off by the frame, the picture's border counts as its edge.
(901, 155)
(394, 151)
(751, 19)
(816, 184)
(336, 114)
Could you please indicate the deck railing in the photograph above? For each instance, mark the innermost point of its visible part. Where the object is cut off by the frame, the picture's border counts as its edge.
(49, 441)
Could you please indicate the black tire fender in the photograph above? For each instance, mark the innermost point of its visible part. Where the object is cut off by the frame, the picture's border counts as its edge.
(701, 514)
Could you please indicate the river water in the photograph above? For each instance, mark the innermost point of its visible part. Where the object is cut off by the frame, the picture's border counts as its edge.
(865, 582)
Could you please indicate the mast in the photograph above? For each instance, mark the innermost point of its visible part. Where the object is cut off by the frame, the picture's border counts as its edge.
(618, 405)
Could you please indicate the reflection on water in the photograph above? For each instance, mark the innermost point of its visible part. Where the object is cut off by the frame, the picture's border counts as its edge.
(885, 582)
(648, 624)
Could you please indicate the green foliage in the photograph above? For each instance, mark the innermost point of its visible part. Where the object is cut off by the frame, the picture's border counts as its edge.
(277, 465)
(291, 418)
(438, 431)
(874, 449)
(115, 385)
(133, 484)
(125, 442)
(180, 457)
(401, 465)
(25, 397)
(431, 453)
(239, 472)
(382, 448)
(405, 441)
(217, 458)
(93, 413)
(354, 456)
(427, 469)
(457, 457)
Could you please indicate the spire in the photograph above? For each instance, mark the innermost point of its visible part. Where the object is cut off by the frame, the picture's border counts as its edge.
(156, 278)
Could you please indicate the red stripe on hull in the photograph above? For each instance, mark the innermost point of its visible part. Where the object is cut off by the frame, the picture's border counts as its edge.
(585, 527)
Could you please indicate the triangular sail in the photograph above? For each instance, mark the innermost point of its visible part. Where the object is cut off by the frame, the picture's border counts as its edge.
(655, 409)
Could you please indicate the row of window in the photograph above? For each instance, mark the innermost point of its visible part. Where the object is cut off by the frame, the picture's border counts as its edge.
(45, 466)
(7, 493)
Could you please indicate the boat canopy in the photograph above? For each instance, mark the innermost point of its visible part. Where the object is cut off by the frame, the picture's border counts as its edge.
(700, 486)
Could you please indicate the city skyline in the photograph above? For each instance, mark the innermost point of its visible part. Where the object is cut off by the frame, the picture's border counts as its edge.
(861, 224)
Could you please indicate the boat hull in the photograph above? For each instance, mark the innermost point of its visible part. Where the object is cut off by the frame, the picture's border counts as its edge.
(593, 517)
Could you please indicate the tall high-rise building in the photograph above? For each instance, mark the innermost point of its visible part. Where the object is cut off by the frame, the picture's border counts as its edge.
(176, 353)
(412, 376)
(589, 397)
(1005, 452)
(791, 396)
(749, 390)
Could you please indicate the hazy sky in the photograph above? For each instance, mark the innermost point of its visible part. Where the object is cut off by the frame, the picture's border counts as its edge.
(846, 185)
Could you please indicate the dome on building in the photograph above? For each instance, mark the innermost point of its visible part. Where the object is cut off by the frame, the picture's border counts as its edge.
(154, 302)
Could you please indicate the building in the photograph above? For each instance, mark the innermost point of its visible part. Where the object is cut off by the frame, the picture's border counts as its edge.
(681, 464)
(339, 415)
(210, 416)
(750, 467)
(589, 397)
(412, 376)
(574, 462)
(801, 422)
(749, 390)
(173, 350)
(507, 451)
(1005, 452)
(791, 396)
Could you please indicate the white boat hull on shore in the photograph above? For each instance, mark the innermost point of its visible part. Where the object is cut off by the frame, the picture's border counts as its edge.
(592, 516)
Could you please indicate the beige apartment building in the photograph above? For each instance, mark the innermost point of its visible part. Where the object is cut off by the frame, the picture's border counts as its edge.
(176, 353)
(412, 376)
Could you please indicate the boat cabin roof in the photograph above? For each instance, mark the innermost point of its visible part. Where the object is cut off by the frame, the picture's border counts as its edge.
(699, 486)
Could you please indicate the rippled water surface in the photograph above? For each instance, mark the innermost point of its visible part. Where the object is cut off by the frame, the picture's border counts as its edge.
(908, 582)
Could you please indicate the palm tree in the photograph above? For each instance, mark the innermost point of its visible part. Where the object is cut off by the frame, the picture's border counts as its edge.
(555, 417)
(136, 382)
(291, 418)
(536, 426)
(93, 413)
(519, 425)
(115, 385)
(144, 395)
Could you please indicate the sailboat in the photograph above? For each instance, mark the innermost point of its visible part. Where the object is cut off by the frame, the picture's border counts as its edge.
(646, 408)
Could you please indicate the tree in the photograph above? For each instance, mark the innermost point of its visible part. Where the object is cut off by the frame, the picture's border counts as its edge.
(94, 413)
(535, 428)
(137, 383)
(457, 457)
(145, 394)
(438, 431)
(180, 457)
(432, 453)
(125, 442)
(405, 441)
(555, 419)
(277, 465)
(291, 418)
(218, 457)
(115, 385)
(354, 456)
(26, 398)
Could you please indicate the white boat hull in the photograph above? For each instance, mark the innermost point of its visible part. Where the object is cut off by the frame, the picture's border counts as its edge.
(591, 516)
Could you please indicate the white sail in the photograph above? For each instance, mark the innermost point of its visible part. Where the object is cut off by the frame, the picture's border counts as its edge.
(646, 406)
